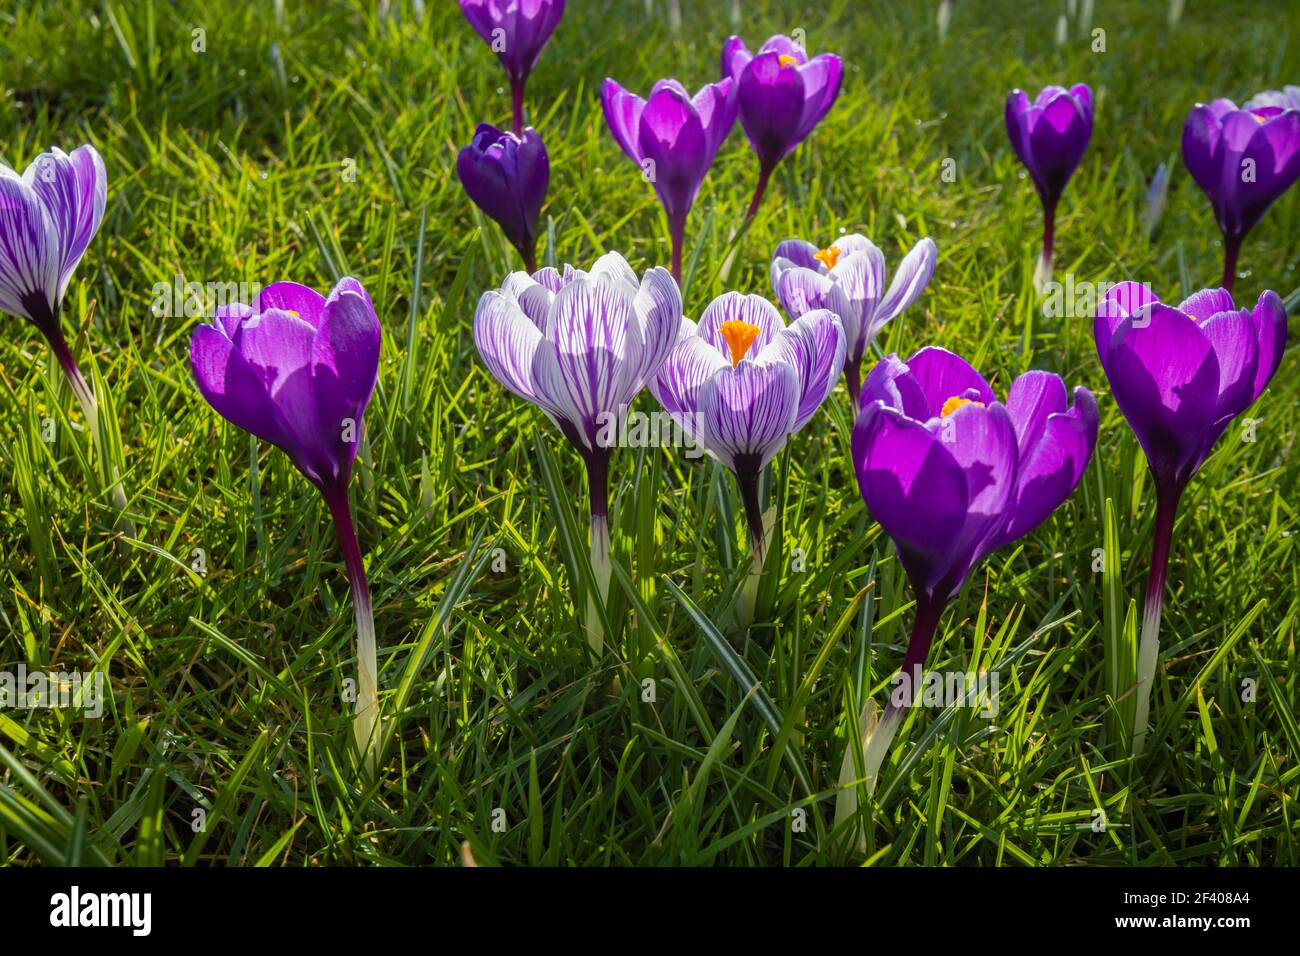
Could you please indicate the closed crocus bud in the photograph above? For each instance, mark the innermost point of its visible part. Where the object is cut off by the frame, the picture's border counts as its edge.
(782, 95)
(1180, 375)
(1049, 135)
(673, 138)
(507, 176)
(1243, 159)
(516, 30)
(952, 474)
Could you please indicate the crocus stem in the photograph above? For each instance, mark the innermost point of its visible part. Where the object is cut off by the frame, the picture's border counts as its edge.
(677, 232)
(1231, 248)
(1043, 274)
(367, 712)
(853, 378)
(601, 569)
(1167, 496)
(764, 173)
(90, 408)
(876, 739)
(517, 104)
(748, 481)
(529, 254)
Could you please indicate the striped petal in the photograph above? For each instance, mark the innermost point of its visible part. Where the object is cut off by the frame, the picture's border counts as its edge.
(747, 412)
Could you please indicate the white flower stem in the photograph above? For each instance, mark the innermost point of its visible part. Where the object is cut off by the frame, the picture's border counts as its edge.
(1149, 645)
(366, 720)
(602, 572)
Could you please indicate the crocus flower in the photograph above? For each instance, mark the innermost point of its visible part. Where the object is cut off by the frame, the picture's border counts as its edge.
(48, 216)
(1243, 159)
(516, 30)
(1180, 376)
(297, 369)
(673, 138)
(506, 176)
(1050, 135)
(741, 382)
(581, 346)
(848, 277)
(782, 95)
(952, 474)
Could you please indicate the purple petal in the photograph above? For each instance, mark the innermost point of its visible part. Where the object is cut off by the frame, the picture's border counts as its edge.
(748, 412)
(507, 341)
(913, 275)
(658, 308)
(231, 386)
(913, 488)
(892, 383)
(942, 375)
(1269, 318)
(1034, 396)
(29, 252)
(676, 387)
(74, 190)
(1235, 340)
(300, 300)
(814, 346)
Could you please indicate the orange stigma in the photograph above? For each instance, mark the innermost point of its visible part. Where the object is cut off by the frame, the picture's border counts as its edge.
(955, 403)
(830, 255)
(740, 336)
(786, 59)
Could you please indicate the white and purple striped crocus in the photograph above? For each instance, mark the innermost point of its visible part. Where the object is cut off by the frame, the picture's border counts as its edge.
(741, 382)
(952, 474)
(1180, 376)
(517, 31)
(1050, 134)
(581, 346)
(48, 215)
(782, 95)
(848, 277)
(297, 369)
(673, 138)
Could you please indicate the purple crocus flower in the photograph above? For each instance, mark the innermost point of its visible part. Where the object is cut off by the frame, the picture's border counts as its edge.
(673, 138)
(741, 382)
(297, 369)
(782, 95)
(48, 216)
(507, 176)
(1243, 159)
(516, 30)
(952, 474)
(848, 277)
(581, 346)
(1180, 376)
(1050, 135)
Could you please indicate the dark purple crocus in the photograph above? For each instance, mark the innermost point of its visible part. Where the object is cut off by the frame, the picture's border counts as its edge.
(297, 369)
(782, 95)
(1050, 135)
(507, 176)
(673, 138)
(952, 474)
(516, 30)
(1243, 159)
(1180, 376)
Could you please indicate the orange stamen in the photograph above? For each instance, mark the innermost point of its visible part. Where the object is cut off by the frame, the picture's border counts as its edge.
(830, 255)
(739, 336)
(786, 59)
(955, 403)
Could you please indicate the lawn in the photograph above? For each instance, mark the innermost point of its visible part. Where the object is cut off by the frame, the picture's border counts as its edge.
(247, 142)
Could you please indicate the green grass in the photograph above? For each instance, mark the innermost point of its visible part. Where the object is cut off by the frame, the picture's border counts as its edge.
(228, 165)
